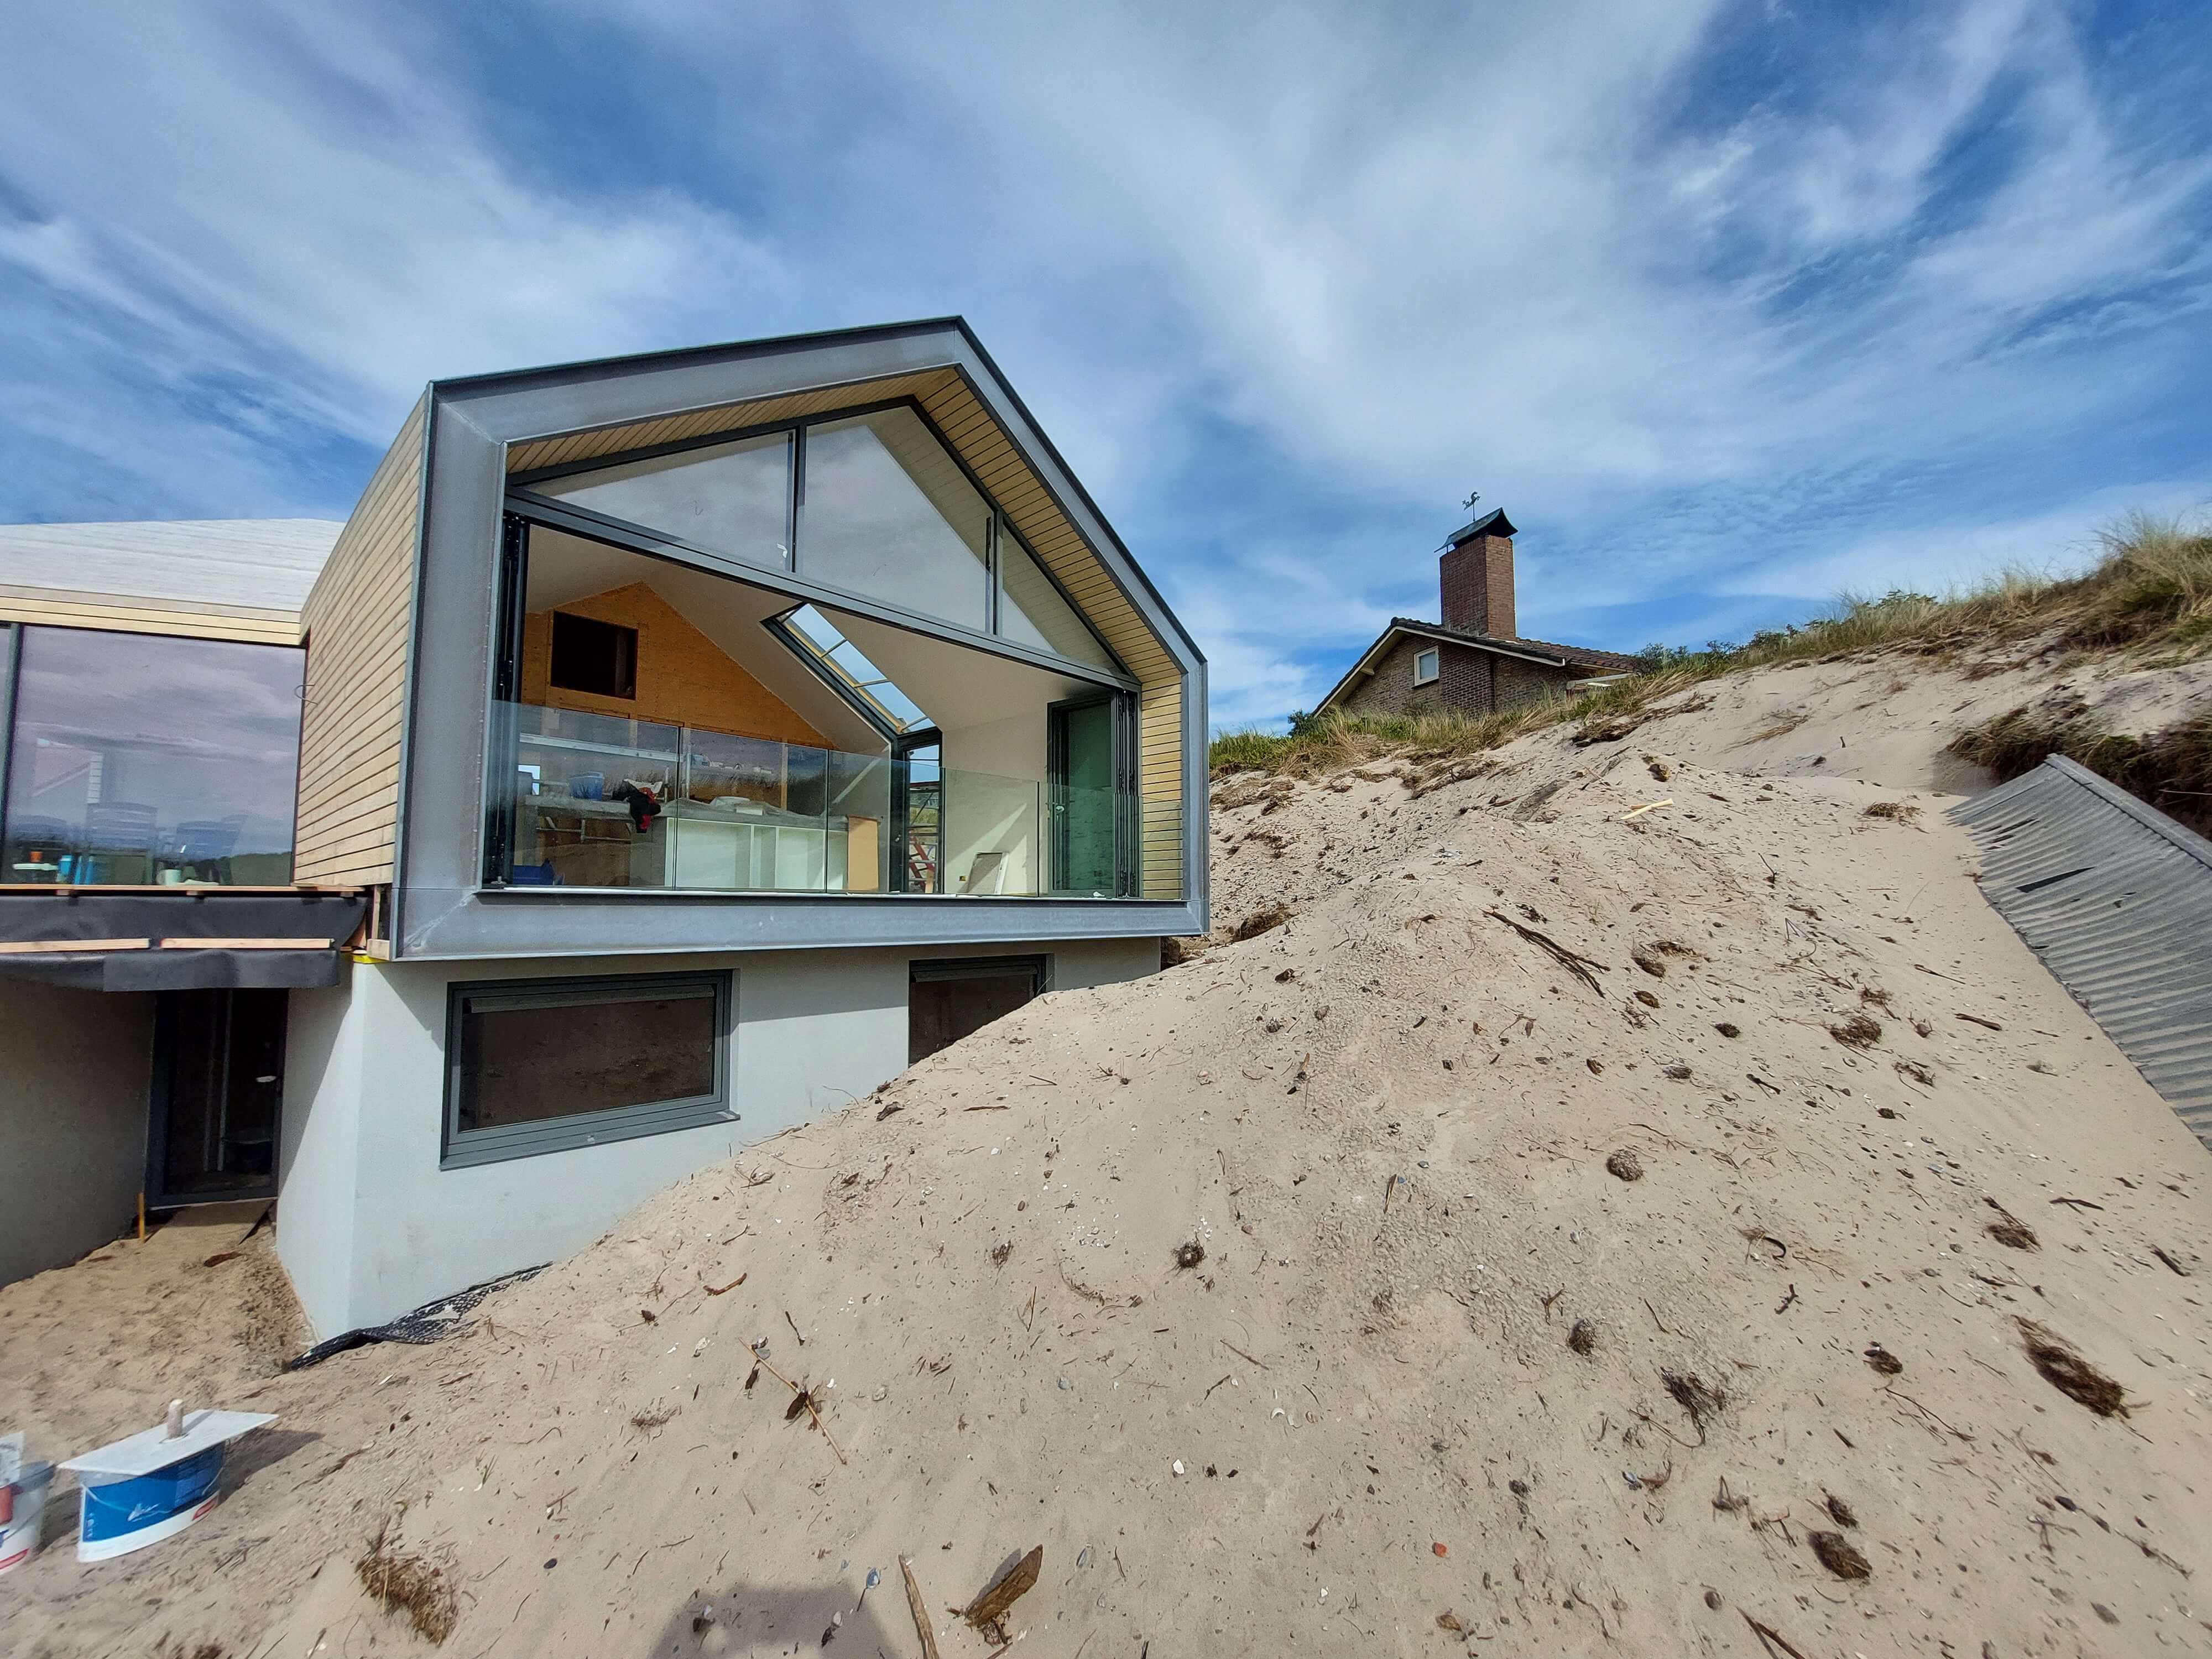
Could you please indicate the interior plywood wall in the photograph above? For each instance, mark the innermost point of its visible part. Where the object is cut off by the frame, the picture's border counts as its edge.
(357, 621)
(684, 678)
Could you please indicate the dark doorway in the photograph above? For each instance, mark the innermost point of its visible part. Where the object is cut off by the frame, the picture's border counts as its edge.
(218, 1087)
(948, 1001)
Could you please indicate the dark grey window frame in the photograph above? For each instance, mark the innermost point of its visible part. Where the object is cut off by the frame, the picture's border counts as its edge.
(460, 1149)
(1038, 967)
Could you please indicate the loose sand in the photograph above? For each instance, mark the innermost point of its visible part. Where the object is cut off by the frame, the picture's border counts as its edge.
(1388, 1123)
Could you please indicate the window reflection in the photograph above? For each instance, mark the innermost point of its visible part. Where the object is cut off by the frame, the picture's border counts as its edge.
(138, 759)
(1031, 612)
(891, 515)
(734, 498)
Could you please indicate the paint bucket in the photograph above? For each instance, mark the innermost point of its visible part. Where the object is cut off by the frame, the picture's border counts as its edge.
(22, 1513)
(124, 1513)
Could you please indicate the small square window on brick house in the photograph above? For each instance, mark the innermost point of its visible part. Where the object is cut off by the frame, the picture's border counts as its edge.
(1425, 667)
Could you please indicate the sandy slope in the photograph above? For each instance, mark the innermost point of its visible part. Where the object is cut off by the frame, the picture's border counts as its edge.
(1388, 1122)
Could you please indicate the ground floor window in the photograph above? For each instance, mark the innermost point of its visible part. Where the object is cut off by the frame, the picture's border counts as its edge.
(948, 1001)
(543, 1065)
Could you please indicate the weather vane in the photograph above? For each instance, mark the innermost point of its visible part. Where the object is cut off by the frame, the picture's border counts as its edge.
(1473, 496)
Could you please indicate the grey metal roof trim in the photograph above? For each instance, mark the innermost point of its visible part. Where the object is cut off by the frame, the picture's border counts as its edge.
(2116, 898)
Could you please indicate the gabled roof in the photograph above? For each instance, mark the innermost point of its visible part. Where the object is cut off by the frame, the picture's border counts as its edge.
(1576, 659)
(217, 578)
(1574, 656)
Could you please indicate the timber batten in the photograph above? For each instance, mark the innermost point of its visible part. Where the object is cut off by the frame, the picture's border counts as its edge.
(357, 620)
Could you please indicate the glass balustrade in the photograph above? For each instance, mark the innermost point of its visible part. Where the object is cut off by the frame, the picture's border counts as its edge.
(591, 800)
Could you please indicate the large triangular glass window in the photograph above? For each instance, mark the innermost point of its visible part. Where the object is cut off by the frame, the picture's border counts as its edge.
(730, 498)
(889, 515)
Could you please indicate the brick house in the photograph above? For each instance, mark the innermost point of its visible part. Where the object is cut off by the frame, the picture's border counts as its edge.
(1474, 661)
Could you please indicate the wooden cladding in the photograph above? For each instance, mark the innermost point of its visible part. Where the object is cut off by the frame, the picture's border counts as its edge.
(63, 608)
(357, 621)
(951, 404)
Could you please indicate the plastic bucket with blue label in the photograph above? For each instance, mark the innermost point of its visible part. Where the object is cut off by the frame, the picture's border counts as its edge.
(128, 1514)
(154, 1484)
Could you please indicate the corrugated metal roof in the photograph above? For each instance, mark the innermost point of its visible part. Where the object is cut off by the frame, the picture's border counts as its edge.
(267, 563)
(2115, 897)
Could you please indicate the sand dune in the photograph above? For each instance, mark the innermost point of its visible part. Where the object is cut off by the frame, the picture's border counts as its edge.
(1443, 1379)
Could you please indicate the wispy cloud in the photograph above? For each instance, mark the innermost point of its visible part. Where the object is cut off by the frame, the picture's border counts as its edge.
(1730, 305)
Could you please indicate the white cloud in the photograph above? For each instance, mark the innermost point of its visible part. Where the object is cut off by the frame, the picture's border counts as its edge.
(1715, 305)
(287, 207)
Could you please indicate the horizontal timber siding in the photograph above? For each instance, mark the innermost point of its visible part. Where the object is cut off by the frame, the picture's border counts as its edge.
(357, 622)
(62, 608)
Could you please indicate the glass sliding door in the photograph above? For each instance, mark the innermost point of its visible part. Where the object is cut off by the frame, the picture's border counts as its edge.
(1085, 751)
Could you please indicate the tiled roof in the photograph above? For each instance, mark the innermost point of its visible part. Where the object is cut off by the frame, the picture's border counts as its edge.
(1579, 656)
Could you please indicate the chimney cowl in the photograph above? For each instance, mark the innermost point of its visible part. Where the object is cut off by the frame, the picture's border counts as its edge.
(1493, 523)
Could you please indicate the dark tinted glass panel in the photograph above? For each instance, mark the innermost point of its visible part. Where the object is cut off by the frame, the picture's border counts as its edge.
(528, 1057)
(598, 657)
(139, 759)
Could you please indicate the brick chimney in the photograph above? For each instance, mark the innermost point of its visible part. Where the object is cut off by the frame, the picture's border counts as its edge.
(1476, 576)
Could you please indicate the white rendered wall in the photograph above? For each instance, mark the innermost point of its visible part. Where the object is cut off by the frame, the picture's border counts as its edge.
(76, 1066)
(320, 1143)
(369, 1226)
(993, 802)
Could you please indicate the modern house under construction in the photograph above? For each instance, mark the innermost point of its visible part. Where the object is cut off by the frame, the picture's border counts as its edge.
(667, 750)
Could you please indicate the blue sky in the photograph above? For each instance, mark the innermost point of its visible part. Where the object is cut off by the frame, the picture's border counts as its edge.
(1732, 307)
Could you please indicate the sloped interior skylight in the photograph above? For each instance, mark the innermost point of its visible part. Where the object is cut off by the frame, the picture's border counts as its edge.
(844, 663)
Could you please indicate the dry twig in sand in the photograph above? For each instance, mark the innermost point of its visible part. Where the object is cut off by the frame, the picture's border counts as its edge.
(1772, 1639)
(801, 1396)
(1579, 966)
(922, 1627)
(987, 1609)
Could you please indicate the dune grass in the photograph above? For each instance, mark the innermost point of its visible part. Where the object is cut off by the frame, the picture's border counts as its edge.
(2149, 593)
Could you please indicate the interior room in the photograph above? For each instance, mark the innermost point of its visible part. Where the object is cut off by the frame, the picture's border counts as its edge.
(676, 728)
